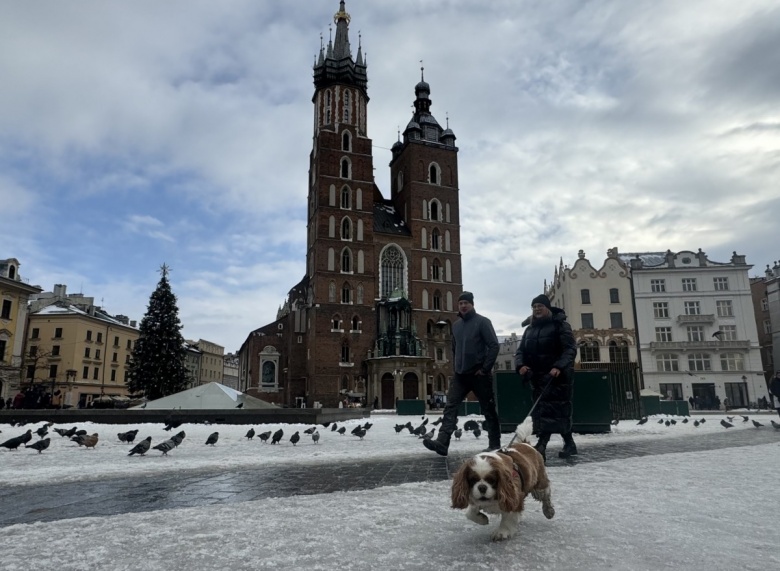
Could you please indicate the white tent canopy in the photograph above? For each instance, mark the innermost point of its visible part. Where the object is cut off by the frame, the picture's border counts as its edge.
(211, 396)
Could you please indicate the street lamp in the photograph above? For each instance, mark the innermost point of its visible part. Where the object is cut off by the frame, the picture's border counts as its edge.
(70, 378)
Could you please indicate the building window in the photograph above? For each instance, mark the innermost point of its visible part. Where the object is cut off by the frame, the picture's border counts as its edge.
(86, 352)
(346, 229)
(692, 308)
(667, 362)
(725, 308)
(618, 351)
(347, 103)
(129, 344)
(85, 373)
(58, 333)
(345, 171)
(435, 271)
(689, 284)
(392, 268)
(355, 323)
(35, 333)
(346, 294)
(439, 354)
(31, 372)
(346, 198)
(663, 334)
(614, 295)
(346, 261)
(113, 375)
(97, 353)
(585, 296)
(727, 332)
(767, 326)
(434, 213)
(590, 351)
(660, 310)
(699, 362)
(764, 304)
(336, 323)
(433, 173)
(587, 320)
(114, 358)
(332, 292)
(437, 300)
(672, 391)
(345, 353)
(116, 341)
(33, 350)
(732, 362)
(2, 350)
(52, 371)
(55, 350)
(616, 320)
(89, 335)
(721, 284)
(695, 333)
(435, 239)
(6, 311)
(657, 286)
(99, 337)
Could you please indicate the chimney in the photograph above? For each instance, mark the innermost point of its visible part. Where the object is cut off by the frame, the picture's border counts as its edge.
(60, 290)
(132, 323)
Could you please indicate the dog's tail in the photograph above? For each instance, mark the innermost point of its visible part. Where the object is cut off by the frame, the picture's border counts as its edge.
(524, 430)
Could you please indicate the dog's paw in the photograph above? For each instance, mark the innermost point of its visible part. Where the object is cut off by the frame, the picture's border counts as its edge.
(548, 510)
(501, 534)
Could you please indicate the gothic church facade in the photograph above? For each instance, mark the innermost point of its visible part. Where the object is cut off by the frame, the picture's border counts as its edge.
(372, 316)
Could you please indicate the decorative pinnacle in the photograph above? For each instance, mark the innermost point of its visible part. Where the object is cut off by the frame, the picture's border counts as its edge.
(341, 14)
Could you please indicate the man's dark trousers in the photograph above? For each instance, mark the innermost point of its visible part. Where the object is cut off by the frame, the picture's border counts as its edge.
(482, 387)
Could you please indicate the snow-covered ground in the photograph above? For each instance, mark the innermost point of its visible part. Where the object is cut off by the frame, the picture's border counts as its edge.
(708, 510)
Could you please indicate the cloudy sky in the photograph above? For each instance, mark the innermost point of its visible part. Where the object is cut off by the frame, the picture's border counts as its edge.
(133, 134)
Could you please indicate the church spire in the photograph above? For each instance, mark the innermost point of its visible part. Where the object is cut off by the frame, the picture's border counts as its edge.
(337, 65)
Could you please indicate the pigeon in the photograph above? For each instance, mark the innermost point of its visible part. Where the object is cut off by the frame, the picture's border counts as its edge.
(437, 421)
(775, 424)
(368, 425)
(360, 432)
(325, 424)
(295, 438)
(668, 423)
(240, 405)
(142, 447)
(85, 440)
(14, 443)
(696, 423)
(250, 434)
(177, 438)
(703, 420)
(315, 437)
(409, 427)
(725, 424)
(277, 436)
(661, 421)
(310, 430)
(334, 427)
(685, 420)
(165, 447)
(70, 432)
(40, 446)
(128, 436)
(477, 432)
(60, 431)
(212, 439)
(265, 436)
(42, 431)
(457, 434)
(673, 421)
(171, 424)
(745, 418)
(399, 428)
(81, 432)
(615, 422)
(356, 429)
(757, 424)
(342, 430)
(420, 430)
(429, 435)
(642, 421)
(730, 418)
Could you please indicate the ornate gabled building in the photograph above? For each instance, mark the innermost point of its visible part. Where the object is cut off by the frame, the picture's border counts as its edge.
(372, 316)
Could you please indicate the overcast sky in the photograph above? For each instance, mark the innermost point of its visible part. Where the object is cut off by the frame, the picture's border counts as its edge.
(133, 134)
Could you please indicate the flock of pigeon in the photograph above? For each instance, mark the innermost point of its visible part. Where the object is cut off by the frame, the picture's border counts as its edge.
(727, 422)
(424, 430)
(142, 447)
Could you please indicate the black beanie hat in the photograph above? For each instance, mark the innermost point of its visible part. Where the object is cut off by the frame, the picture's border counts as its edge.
(543, 299)
(467, 296)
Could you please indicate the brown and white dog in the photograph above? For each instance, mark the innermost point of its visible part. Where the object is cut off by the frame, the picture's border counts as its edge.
(498, 482)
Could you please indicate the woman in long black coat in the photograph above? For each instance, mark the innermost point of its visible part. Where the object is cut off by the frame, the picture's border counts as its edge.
(546, 355)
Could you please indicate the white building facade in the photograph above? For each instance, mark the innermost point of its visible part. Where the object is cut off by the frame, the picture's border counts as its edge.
(696, 327)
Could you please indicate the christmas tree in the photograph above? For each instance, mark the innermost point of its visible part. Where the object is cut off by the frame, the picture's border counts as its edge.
(157, 362)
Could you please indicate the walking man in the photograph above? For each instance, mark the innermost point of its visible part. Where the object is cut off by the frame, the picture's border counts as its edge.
(474, 349)
(546, 355)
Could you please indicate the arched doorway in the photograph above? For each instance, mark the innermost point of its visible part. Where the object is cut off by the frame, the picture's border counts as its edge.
(411, 386)
(387, 391)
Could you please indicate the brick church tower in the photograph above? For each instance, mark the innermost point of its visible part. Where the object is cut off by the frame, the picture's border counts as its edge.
(372, 316)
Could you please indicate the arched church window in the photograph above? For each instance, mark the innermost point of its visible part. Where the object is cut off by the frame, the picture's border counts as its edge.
(346, 141)
(347, 105)
(346, 168)
(346, 261)
(435, 210)
(392, 270)
(434, 176)
(346, 198)
(346, 229)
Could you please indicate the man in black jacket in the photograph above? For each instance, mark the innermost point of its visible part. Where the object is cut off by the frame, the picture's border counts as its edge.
(474, 351)
(546, 355)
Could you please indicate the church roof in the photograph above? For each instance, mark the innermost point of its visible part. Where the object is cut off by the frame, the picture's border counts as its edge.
(387, 220)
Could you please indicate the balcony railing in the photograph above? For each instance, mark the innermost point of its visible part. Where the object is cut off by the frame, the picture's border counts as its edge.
(705, 318)
(698, 345)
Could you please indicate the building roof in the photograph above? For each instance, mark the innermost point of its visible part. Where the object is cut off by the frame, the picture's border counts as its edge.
(211, 396)
(387, 220)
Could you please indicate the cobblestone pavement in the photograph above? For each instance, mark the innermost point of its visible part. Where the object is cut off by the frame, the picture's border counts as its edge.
(28, 504)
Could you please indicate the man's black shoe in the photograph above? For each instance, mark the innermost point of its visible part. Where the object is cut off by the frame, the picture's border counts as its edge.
(438, 447)
(542, 449)
(569, 449)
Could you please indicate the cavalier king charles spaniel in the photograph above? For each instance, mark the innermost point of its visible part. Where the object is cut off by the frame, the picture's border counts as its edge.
(498, 482)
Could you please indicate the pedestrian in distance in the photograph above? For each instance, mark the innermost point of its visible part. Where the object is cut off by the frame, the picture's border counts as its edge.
(474, 349)
(545, 358)
(774, 388)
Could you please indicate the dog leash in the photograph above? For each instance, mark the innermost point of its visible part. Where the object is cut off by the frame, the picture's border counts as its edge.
(541, 394)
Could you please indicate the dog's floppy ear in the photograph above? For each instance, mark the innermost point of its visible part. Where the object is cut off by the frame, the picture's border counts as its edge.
(460, 488)
(508, 491)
